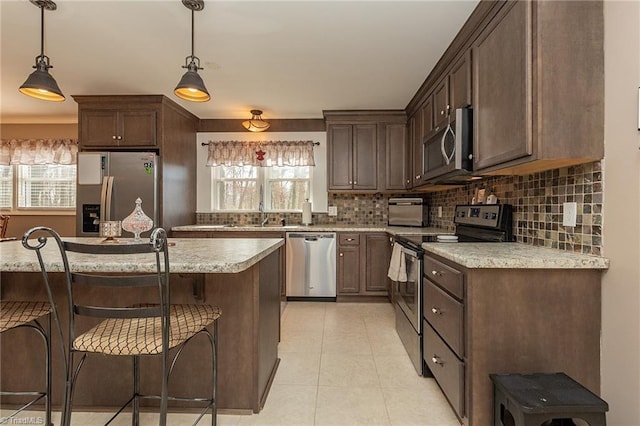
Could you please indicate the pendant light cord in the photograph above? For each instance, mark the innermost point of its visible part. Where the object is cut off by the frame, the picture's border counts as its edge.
(41, 31)
(192, 33)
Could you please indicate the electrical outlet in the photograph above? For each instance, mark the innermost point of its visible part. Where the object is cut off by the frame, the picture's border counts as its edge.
(569, 214)
(333, 211)
(439, 211)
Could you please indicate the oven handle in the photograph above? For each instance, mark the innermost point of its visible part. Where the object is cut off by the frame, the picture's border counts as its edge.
(409, 252)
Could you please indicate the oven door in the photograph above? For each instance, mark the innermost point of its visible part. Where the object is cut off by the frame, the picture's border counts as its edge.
(408, 293)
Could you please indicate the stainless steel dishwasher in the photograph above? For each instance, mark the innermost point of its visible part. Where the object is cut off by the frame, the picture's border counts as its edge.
(311, 265)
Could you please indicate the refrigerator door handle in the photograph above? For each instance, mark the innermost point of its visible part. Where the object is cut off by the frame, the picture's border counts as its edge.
(109, 198)
(103, 198)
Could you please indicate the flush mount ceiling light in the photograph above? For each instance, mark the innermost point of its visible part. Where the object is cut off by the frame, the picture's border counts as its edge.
(256, 124)
(40, 84)
(191, 86)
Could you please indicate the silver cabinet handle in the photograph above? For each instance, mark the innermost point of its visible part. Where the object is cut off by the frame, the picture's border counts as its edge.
(436, 273)
(114, 137)
(436, 311)
(341, 254)
(437, 360)
(119, 138)
(349, 239)
(355, 182)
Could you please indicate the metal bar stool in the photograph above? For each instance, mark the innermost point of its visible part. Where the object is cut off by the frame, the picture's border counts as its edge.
(544, 399)
(151, 327)
(29, 315)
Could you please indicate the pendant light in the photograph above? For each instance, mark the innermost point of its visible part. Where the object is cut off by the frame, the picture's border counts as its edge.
(40, 84)
(191, 86)
(256, 124)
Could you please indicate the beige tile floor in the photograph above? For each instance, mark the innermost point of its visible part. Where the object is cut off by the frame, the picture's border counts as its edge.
(341, 364)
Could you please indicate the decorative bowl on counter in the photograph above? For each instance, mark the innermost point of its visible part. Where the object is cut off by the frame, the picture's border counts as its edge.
(137, 222)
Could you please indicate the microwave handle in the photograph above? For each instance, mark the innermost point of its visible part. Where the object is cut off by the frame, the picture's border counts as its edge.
(447, 158)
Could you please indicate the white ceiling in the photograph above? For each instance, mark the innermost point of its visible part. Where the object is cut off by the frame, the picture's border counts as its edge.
(291, 59)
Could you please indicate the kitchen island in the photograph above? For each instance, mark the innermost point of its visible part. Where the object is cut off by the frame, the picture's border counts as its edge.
(241, 276)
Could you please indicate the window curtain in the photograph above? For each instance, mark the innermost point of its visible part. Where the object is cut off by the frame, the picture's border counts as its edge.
(261, 154)
(38, 151)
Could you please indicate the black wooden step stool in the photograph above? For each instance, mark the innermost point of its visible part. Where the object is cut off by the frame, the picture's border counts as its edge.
(544, 399)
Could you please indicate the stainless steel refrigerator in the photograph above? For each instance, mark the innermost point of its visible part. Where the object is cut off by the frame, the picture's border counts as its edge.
(108, 185)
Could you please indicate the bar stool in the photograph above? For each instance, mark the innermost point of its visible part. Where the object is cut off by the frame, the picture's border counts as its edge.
(29, 315)
(151, 327)
(544, 399)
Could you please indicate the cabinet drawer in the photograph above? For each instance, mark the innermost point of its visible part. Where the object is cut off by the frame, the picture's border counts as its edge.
(447, 369)
(349, 239)
(446, 316)
(445, 276)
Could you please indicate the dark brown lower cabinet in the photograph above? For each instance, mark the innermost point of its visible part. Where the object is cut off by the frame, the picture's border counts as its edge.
(362, 264)
(483, 321)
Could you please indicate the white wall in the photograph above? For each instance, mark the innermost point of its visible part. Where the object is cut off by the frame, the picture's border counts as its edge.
(621, 227)
(203, 173)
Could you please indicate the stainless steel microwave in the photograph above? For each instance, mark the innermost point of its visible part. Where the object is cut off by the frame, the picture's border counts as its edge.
(448, 152)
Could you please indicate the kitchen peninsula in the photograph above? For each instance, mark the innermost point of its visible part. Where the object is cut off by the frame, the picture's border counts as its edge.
(241, 276)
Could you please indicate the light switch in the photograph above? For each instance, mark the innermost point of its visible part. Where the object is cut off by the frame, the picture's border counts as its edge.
(569, 214)
(333, 211)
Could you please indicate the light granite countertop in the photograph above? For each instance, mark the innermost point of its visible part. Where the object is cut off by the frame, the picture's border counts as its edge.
(513, 256)
(188, 255)
(393, 230)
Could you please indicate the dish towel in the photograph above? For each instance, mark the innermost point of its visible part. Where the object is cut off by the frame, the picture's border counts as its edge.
(397, 267)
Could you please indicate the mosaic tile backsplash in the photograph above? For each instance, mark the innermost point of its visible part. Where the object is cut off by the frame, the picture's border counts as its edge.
(537, 201)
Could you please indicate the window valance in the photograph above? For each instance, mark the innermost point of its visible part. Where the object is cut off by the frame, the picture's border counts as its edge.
(38, 151)
(261, 154)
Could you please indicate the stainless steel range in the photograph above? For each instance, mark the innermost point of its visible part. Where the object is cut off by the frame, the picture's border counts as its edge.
(474, 223)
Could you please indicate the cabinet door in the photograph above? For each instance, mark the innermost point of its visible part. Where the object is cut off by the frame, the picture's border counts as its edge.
(502, 88)
(396, 153)
(365, 156)
(110, 128)
(98, 128)
(137, 128)
(423, 127)
(460, 83)
(340, 162)
(378, 256)
(441, 102)
(348, 279)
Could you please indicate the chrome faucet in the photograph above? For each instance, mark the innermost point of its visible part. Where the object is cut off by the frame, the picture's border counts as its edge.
(263, 216)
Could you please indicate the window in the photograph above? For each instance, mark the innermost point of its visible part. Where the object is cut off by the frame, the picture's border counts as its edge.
(239, 187)
(42, 186)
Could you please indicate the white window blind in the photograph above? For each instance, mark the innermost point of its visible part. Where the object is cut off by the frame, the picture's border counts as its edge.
(46, 186)
(6, 187)
(237, 188)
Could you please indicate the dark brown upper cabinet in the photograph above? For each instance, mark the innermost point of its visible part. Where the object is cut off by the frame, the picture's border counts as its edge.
(538, 92)
(352, 150)
(135, 128)
(366, 151)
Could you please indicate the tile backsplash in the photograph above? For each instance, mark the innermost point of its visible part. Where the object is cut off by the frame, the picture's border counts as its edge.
(537, 199)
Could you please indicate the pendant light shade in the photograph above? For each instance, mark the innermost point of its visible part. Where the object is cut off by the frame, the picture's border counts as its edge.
(191, 87)
(256, 124)
(40, 84)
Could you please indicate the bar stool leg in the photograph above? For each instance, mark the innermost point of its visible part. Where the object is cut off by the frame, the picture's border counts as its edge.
(135, 409)
(214, 355)
(47, 401)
